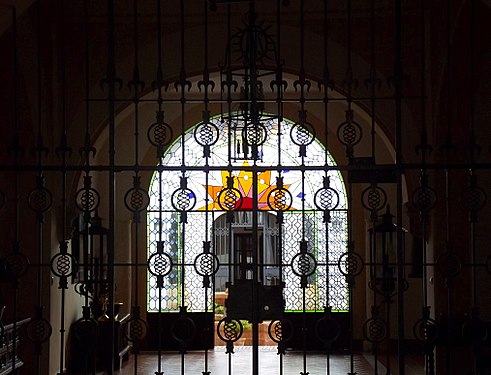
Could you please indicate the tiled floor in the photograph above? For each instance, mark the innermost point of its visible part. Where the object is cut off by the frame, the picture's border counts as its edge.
(240, 363)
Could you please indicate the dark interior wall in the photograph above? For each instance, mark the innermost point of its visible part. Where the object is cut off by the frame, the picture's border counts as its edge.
(449, 103)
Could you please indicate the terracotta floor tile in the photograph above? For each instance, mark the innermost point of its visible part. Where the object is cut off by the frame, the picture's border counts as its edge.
(239, 363)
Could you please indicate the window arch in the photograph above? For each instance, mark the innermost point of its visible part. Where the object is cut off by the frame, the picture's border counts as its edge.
(227, 157)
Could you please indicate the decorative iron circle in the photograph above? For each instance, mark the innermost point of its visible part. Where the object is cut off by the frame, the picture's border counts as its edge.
(40, 200)
(87, 199)
(375, 330)
(229, 330)
(280, 330)
(350, 264)
(449, 264)
(206, 264)
(280, 199)
(183, 329)
(426, 330)
(183, 199)
(303, 264)
(206, 134)
(488, 264)
(16, 265)
(349, 133)
(302, 134)
(159, 264)
(326, 199)
(160, 134)
(254, 134)
(327, 329)
(39, 330)
(63, 265)
(424, 198)
(473, 198)
(374, 198)
(136, 199)
(86, 331)
(137, 329)
(3, 199)
(474, 330)
(230, 199)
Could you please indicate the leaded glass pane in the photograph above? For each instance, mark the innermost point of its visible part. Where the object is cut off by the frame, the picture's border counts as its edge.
(326, 243)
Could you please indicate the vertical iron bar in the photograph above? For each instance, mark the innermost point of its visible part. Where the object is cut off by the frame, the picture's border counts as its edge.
(183, 176)
(279, 97)
(64, 184)
(111, 98)
(326, 84)
(207, 177)
(39, 307)
(137, 83)
(423, 175)
(159, 83)
(472, 146)
(349, 99)
(160, 278)
(303, 115)
(450, 351)
(398, 74)
(17, 177)
(255, 202)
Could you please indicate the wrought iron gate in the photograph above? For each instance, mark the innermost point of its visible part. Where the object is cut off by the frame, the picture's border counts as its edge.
(181, 172)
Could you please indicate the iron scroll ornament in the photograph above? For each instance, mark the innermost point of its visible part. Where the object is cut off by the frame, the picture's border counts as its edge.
(349, 133)
(229, 331)
(159, 264)
(350, 264)
(16, 264)
(160, 133)
(326, 199)
(254, 134)
(327, 330)
(280, 331)
(183, 329)
(206, 264)
(374, 198)
(473, 198)
(302, 134)
(40, 199)
(183, 199)
(136, 328)
(39, 330)
(136, 199)
(426, 330)
(375, 330)
(424, 199)
(87, 199)
(206, 134)
(304, 264)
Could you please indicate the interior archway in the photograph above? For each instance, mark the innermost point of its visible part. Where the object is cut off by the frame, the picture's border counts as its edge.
(299, 181)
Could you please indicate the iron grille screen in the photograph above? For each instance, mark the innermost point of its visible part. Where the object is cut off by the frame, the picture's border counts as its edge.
(327, 243)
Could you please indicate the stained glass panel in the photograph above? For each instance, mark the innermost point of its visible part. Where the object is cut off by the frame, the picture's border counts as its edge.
(326, 243)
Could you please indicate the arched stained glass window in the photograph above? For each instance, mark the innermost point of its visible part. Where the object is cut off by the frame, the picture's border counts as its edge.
(326, 241)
